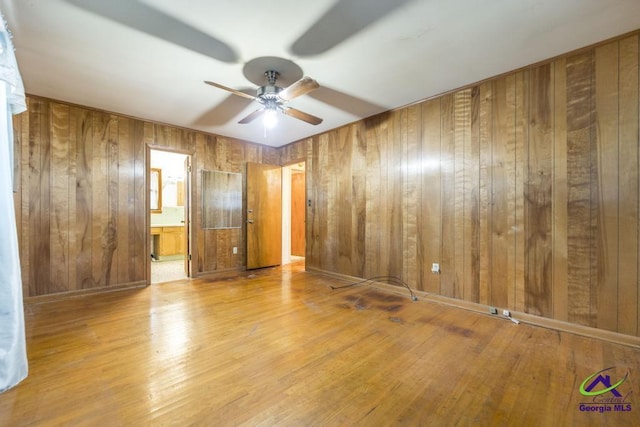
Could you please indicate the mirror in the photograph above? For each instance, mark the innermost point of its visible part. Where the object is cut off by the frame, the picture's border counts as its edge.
(221, 200)
(155, 189)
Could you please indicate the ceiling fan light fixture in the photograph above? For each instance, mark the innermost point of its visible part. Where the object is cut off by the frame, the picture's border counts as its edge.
(273, 97)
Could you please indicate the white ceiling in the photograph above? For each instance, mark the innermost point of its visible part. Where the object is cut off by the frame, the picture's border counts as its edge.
(149, 58)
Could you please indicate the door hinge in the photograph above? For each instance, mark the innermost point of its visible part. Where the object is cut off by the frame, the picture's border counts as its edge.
(189, 257)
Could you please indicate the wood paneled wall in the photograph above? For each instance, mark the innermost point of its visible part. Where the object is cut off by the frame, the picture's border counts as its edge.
(524, 189)
(80, 205)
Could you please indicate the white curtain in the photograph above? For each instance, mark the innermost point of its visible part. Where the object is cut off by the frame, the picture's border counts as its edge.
(13, 354)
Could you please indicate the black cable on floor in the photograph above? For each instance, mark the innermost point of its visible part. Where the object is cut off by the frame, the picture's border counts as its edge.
(385, 279)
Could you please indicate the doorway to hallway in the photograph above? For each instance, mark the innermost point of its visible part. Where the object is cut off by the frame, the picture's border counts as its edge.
(168, 215)
(293, 213)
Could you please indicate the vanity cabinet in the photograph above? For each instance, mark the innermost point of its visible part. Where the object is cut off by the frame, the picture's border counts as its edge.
(168, 240)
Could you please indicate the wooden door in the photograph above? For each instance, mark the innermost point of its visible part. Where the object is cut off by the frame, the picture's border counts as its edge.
(297, 213)
(264, 215)
(187, 216)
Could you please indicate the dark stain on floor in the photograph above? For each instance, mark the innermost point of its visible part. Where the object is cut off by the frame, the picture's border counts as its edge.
(457, 330)
(394, 308)
(386, 302)
(385, 297)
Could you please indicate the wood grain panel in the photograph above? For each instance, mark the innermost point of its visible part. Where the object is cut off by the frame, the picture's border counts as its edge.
(224, 259)
(221, 199)
(501, 214)
(374, 199)
(104, 233)
(394, 192)
(628, 139)
(293, 153)
(59, 212)
(447, 179)
(110, 255)
(430, 214)
(126, 249)
(485, 118)
(469, 163)
(473, 199)
(312, 253)
(381, 199)
(607, 151)
(580, 120)
(199, 165)
(39, 196)
(412, 168)
(72, 281)
(341, 219)
(358, 198)
(324, 213)
(84, 197)
(514, 220)
(522, 115)
(560, 291)
(460, 186)
(100, 199)
(538, 193)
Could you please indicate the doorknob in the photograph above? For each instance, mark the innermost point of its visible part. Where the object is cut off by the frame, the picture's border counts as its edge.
(249, 221)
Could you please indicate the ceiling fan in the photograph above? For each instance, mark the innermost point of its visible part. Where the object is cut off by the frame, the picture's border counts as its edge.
(273, 98)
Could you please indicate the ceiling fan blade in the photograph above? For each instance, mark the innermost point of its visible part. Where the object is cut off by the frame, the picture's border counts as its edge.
(251, 117)
(301, 115)
(228, 89)
(302, 86)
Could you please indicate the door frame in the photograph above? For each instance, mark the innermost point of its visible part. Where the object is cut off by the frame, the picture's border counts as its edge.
(188, 199)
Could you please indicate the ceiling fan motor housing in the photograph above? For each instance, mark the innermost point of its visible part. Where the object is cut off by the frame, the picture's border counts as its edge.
(269, 91)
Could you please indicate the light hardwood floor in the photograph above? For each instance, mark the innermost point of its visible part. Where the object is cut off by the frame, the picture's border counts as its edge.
(279, 347)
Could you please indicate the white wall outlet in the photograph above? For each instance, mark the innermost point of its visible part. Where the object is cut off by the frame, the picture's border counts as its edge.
(506, 313)
(435, 268)
(235, 250)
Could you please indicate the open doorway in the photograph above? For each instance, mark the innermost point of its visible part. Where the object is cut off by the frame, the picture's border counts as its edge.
(293, 213)
(168, 215)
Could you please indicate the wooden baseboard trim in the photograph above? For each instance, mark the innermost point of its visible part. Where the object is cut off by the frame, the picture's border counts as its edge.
(530, 319)
(41, 299)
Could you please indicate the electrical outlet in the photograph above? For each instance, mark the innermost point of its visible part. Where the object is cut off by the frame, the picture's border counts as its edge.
(435, 268)
(493, 310)
(506, 313)
(235, 250)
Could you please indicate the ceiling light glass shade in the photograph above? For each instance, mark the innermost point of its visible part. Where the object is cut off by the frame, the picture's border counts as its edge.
(270, 119)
